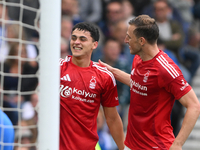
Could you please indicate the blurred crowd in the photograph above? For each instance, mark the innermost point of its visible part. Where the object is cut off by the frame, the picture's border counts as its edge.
(178, 22)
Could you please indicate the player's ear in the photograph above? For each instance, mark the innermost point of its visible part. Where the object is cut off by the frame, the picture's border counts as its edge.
(95, 44)
(142, 41)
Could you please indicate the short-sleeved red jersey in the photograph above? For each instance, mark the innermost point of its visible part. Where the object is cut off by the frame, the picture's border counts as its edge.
(154, 86)
(81, 92)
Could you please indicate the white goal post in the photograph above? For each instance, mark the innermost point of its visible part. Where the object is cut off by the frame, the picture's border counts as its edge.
(49, 71)
(49, 75)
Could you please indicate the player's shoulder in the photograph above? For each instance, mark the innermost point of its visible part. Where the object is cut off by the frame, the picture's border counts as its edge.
(104, 72)
(136, 60)
(67, 59)
(166, 66)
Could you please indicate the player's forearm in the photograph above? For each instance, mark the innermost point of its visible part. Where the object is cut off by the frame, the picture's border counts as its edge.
(189, 121)
(121, 76)
(116, 130)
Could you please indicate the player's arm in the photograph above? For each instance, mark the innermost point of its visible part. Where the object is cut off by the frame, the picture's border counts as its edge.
(118, 74)
(115, 125)
(190, 101)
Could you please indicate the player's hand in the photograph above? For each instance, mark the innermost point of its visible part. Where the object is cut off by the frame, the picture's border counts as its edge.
(105, 65)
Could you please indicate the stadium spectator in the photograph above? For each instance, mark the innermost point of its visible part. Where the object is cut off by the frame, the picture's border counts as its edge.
(64, 48)
(196, 9)
(23, 136)
(66, 27)
(128, 10)
(113, 15)
(139, 5)
(17, 67)
(28, 16)
(119, 32)
(185, 9)
(190, 52)
(90, 10)
(174, 13)
(170, 31)
(7, 133)
(30, 115)
(13, 115)
(111, 56)
(71, 9)
(15, 33)
(3, 26)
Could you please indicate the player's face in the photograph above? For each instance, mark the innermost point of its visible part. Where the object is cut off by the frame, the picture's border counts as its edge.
(82, 43)
(132, 41)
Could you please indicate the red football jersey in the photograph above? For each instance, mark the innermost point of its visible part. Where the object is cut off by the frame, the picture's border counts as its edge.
(154, 86)
(81, 92)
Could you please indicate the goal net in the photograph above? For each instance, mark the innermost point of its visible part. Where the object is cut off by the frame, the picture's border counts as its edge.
(29, 74)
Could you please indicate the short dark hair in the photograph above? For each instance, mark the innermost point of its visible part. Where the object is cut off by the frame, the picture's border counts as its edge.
(164, 1)
(145, 27)
(111, 38)
(85, 26)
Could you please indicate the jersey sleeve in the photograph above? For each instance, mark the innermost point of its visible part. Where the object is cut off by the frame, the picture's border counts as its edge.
(173, 81)
(109, 97)
(178, 87)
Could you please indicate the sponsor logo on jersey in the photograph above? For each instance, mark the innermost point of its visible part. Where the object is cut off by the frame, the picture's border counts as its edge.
(93, 83)
(116, 98)
(137, 85)
(66, 78)
(184, 85)
(146, 76)
(66, 91)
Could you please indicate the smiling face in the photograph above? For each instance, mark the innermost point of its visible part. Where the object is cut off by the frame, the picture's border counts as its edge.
(82, 44)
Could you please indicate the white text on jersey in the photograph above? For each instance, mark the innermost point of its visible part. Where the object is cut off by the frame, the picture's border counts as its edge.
(66, 91)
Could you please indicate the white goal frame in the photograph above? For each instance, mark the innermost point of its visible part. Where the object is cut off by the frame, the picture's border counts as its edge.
(49, 102)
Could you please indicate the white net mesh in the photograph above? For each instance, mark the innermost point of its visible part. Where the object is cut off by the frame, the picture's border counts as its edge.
(19, 72)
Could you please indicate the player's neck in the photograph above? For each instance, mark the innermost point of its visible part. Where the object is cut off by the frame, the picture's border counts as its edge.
(149, 52)
(81, 62)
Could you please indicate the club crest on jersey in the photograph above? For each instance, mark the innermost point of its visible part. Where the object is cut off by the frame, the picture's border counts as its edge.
(93, 83)
(146, 76)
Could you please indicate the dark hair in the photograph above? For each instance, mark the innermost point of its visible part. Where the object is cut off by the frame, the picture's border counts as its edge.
(145, 27)
(85, 26)
(111, 38)
(113, 1)
(164, 1)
